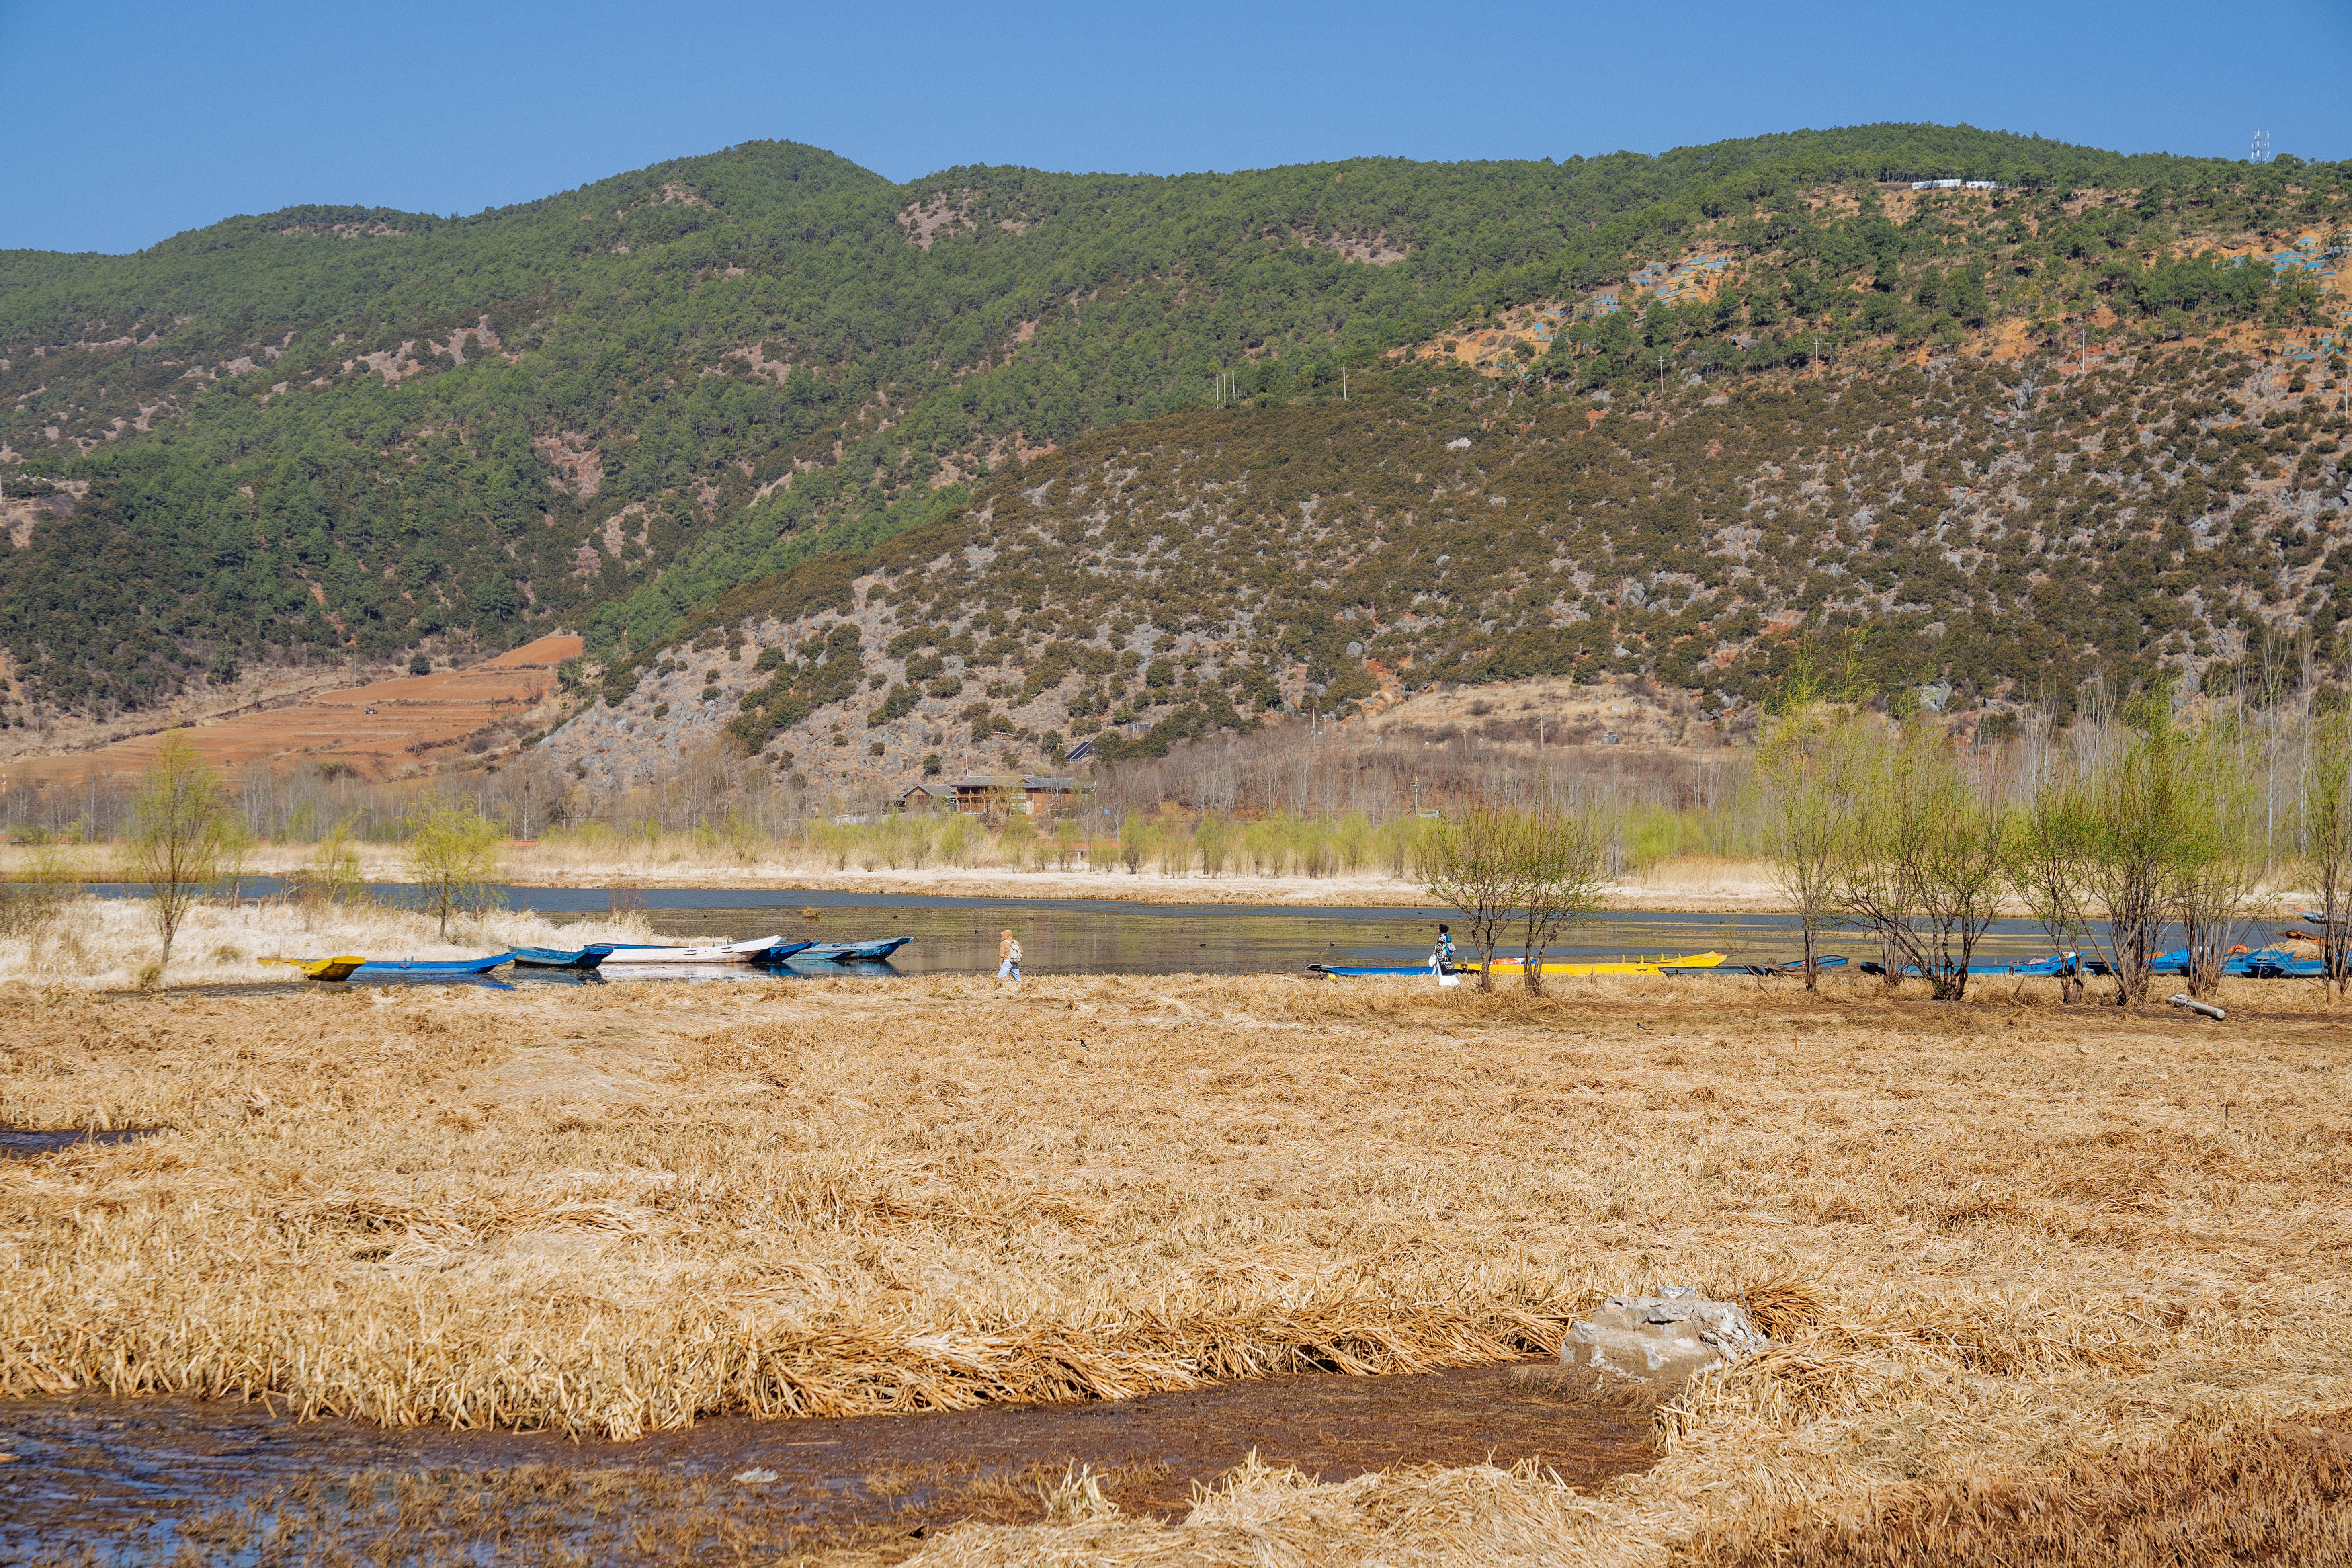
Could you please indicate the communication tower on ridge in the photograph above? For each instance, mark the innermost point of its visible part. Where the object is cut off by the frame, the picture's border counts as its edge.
(2262, 146)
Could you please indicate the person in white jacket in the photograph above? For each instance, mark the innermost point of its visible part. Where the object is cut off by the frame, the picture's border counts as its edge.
(1008, 958)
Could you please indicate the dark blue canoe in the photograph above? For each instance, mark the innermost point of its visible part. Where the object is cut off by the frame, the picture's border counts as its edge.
(2264, 963)
(587, 957)
(845, 952)
(2054, 964)
(425, 968)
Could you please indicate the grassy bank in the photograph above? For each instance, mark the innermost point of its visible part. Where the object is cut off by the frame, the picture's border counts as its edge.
(2002, 1242)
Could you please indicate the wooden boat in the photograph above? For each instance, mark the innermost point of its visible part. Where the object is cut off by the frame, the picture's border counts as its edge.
(321, 968)
(1620, 966)
(2264, 964)
(759, 949)
(852, 952)
(587, 957)
(1376, 971)
(427, 968)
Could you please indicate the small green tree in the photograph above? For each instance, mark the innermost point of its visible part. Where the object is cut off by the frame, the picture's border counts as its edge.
(1803, 790)
(180, 835)
(2327, 836)
(332, 874)
(2136, 804)
(2051, 837)
(2218, 864)
(453, 857)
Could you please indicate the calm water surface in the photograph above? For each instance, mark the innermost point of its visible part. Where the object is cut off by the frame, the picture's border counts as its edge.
(1106, 936)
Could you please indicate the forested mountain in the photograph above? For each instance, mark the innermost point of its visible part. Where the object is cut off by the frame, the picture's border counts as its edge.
(356, 433)
(1996, 529)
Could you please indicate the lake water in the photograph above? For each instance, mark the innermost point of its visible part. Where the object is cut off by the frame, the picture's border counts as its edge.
(1107, 936)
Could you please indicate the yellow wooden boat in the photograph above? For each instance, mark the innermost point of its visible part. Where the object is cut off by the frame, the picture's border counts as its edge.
(321, 968)
(1621, 966)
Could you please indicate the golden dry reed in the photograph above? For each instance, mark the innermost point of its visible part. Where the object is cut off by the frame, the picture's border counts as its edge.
(1994, 1241)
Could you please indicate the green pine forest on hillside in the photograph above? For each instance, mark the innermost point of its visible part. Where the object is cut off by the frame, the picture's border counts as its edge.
(343, 433)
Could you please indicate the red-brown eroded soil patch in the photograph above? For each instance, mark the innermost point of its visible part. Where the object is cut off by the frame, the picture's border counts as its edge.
(377, 730)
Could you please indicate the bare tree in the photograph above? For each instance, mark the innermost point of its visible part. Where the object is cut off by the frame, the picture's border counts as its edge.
(1564, 864)
(1925, 860)
(179, 836)
(1474, 864)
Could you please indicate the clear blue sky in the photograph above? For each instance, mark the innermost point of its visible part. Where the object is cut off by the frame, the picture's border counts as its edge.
(121, 123)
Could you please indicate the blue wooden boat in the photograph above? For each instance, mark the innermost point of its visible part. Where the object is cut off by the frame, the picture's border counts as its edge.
(425, 968)
(1375, 971)
(587, 957)
(848, 952)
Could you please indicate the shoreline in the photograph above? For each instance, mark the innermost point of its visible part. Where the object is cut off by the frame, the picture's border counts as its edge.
(1664, 892)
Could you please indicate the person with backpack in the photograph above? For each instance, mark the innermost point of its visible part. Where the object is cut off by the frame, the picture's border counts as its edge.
(1008, 958)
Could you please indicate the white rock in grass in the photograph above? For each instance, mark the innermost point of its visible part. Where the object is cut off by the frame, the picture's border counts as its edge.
(755, 1475)
(1666, 1338)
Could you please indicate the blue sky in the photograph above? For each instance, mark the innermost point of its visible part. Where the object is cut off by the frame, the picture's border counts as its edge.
(123, 123)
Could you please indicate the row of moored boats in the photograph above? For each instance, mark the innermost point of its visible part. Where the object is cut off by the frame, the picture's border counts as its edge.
(768, 951)
(2262, 963)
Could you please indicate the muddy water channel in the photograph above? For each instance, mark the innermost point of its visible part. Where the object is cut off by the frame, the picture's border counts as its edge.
(137, 1482)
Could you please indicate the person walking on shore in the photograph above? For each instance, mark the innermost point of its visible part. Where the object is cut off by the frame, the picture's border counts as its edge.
(1008, 958)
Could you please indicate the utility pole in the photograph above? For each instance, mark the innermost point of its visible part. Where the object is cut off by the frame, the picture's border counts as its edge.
(1343, 383)
(1817, 356)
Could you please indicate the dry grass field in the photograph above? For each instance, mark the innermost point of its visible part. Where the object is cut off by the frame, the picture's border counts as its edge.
(1692, 884)
(2048, 1284)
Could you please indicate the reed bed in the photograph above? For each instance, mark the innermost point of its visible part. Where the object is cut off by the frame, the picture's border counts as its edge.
(2000, 1245)
(112, 942)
